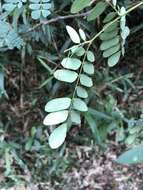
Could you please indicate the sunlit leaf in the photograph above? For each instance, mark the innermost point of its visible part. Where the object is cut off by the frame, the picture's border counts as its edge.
(73, 34)
(81, 92)
(82, 34)
(113, 60)
(79, 105)
(79, 51)
(71, 63)
(88, 68)
(90, 56)
(86, 80)
(65, 75)
(58, 136)
(58, 104)
(56, 118)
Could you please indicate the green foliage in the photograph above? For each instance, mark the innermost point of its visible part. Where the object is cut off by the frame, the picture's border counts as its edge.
(2, 89)
(40, 8)
(113, 40)
(97, 10)
(132, 156)
(10, 5)
(79, 5)
(58, 104)
(73, 82)
(73, 34)
(78, 65)
(66, 75)
(8, 37)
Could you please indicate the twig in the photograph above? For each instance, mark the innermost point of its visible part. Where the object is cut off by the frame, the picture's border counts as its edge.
(57, 19)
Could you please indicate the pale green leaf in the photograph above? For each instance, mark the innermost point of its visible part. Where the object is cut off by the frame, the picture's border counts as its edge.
(122, 11)
(132, 156)
(123, 49)
(2, 89)
(97, 10)
(123, 22)
(113, 60)
(79, 105)
(75, 117)
(65, 75)
(125, 33)
(90, 56)
(79, 51)
(71, 63)
(79, 5)
(81, 92)
(114, 2)
(56, 118)
(58, 136)
(45, 13)
(86, 80)
(73, 34)
(88, 68)
(58, 104)
(35, 6)
(36, 14)
(82, 34)
(9, 7)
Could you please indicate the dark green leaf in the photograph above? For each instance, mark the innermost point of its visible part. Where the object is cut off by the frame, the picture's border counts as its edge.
(97, 11)
(79, 5)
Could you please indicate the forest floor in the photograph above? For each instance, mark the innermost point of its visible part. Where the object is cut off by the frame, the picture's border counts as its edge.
(94, 170)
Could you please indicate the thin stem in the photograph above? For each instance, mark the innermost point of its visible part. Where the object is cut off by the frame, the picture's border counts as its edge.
(98, 34)
(80, 71)
(134, 7)
(104, 28)
(53, 20)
